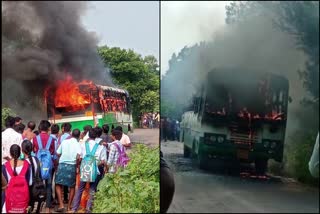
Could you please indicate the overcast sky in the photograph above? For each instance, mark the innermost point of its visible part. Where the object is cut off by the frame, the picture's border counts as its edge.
(124, 24)
(135, 25)
(187, 23)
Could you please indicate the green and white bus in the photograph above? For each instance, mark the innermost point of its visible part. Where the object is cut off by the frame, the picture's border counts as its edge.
(237, 115)
(89, 104)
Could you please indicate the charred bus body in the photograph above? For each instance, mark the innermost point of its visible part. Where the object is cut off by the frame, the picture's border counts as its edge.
(239, 116)
(89, 104)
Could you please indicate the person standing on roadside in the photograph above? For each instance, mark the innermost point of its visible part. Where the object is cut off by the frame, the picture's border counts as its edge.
(69, 152)
(125, 140)
(105, 134)
(4, 184)
(26, 148)
(28, 133)
(18, 120)
(100, 157)
(114, 152)
(66, 134)
(8, 138)
(44, 136)
(55, 135)
(102, 142)
(85, 133)
(13, 168)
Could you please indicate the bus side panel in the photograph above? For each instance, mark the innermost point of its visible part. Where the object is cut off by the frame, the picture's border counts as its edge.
(117, 119)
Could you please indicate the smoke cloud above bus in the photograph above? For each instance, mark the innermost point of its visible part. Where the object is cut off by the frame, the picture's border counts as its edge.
(252, 45)
(42, 42)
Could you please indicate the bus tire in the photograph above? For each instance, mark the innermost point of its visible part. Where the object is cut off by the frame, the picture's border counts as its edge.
(186, 151)
(199, 160)
(202, 162)
(261, 166)
(182, 136)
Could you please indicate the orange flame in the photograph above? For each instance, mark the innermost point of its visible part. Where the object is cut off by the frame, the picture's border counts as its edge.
(68, 94)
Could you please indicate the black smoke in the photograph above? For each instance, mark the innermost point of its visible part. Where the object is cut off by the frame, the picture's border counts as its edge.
(41, 42)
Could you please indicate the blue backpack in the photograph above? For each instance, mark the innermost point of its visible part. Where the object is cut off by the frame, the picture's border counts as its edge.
(88, 167)
(45, 158)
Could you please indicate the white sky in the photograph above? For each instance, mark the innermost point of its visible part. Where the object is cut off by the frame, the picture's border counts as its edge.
(187, 23)
(135, 25)
(130, 25)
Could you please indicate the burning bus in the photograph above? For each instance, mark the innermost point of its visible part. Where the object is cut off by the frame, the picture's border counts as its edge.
(85, 103)
(237, 115)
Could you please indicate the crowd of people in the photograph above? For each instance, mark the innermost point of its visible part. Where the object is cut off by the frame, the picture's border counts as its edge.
(70, 161)
(170, 129)
(149, 120)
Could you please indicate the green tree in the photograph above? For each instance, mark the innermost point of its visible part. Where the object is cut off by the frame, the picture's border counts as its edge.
(5, 112)
(301, 19)
(177, 85)
(139, 76)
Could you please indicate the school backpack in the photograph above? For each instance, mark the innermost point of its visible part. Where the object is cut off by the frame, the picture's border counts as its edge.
(45, 158)
(123, 158)
(88, 167)
(38, 189)
(17, 192)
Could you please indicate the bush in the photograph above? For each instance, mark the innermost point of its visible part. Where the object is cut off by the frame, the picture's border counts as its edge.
(134, 189)
(298, 155)
(5, 112)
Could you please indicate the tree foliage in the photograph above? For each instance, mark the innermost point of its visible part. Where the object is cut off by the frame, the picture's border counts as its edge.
(178, 84)
(138, 75)
(5, 112)
(134, 189)
(301, 19)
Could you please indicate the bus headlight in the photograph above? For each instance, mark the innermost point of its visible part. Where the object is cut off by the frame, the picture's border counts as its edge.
(273, 145)
(213, 138)
(220, 139)
(266, 144)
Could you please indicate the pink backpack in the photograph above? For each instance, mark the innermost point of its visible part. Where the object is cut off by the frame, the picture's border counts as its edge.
(17, 192)
(123, 159)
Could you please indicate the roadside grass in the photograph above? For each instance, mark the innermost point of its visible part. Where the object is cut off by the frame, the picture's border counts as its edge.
(298, 151)
(134, 189)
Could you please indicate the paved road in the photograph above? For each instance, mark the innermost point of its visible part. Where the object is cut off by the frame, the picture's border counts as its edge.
(149, 137)
(208, 191)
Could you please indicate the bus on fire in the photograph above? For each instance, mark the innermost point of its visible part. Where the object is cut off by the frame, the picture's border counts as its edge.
(239, 116)
(86, 103)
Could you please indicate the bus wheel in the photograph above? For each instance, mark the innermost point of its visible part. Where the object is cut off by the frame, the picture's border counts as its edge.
(186, 151)
(182, 136)
(200, 158)
(261, 166)
(202, 161)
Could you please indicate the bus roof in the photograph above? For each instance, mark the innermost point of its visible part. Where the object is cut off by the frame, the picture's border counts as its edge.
(109, 88)
(236, 74)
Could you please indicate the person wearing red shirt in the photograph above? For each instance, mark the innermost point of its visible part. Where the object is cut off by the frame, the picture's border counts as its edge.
(44, 127)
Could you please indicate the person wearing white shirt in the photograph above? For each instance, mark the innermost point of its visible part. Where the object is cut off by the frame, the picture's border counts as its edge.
(125, 140)
(69, 151)
(8, 138)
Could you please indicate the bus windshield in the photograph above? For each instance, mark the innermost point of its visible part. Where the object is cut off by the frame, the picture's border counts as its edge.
(246, 97)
